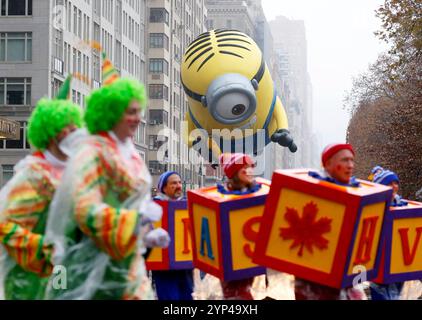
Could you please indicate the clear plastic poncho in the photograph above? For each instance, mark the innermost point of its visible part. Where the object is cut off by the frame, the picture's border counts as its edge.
(25, 284)
(82, 271)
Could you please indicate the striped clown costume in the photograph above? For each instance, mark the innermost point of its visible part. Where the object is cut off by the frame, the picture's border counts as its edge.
(96, 224)
(25, 262)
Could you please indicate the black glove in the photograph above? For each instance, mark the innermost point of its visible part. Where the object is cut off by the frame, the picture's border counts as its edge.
(283, 138)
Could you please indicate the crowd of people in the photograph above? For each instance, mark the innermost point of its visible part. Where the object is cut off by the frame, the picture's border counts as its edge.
(82, 201)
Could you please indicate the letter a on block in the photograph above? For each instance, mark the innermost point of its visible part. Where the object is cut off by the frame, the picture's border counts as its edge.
(409, 256)
(206, 238)
(366, 240)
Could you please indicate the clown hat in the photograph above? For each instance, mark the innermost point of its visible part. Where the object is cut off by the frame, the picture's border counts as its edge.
(233, 162)
(110, 74)
(64, 92)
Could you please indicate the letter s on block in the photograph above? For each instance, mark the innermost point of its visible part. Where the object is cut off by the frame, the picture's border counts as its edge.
(250, 234)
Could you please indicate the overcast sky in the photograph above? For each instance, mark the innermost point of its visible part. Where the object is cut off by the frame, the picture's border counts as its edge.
(341, 44)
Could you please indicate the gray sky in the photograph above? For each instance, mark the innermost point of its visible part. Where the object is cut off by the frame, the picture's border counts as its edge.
(341, 44)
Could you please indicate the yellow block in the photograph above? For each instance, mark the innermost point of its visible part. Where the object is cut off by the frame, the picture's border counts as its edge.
(200, 212)
(238, 219)
(182, 237)
(368, 212)
(397, 260)
(279, 248)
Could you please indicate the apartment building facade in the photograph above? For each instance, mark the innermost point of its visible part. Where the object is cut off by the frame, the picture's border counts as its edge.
(41, 44)
(172, 25)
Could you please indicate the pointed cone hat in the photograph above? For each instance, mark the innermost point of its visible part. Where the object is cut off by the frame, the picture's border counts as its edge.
(64, 92)
(110, 74)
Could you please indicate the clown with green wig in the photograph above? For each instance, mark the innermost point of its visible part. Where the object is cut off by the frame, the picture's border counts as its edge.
(101, 217)
(24, 201)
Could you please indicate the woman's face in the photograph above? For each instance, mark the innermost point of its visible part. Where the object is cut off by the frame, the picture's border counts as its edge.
(245, 175)
(127, 126)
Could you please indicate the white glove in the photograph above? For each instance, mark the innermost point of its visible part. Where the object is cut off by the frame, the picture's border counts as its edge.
(157, 238)
(150, 211)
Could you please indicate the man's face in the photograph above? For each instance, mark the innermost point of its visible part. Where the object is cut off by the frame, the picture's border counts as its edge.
(395, 186)
(245, 175)
(340, 166)
(173, 188)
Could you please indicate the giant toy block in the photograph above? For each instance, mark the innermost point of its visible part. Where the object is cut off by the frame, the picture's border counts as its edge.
(320, 231)
(402, 245)
(179, 253)
(225, 228)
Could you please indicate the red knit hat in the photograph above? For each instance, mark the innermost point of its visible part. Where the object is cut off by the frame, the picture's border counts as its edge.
(332, 149)
(233, 162)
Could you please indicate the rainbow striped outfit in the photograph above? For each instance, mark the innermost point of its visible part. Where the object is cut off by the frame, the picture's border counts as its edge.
(103, 250)
(25, 258)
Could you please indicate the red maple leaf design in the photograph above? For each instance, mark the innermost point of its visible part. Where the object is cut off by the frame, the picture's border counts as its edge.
(306, 231)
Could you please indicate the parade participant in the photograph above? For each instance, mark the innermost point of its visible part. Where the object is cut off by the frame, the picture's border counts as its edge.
(100, 236)
(388, 178)
(24, 201)
(338, 164)
(238, 168)
(172, 284)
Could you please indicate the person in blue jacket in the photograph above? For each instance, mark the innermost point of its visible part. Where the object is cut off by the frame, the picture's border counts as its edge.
(172, 284)
(385, 177)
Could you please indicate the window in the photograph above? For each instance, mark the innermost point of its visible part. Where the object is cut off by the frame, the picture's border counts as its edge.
(118, 16)
(15, 91)
(158, 117)
(158, 40)
(58, 44)
(16, 7)
(15, 46)
(157, 167)
(158, 66)
(155, 142)
(96, 67)
(22, 143)
(55, 87)
(7, 172)
(158, 91)
(118, 55)
(140, 136)
(97, 7)
(159, 15)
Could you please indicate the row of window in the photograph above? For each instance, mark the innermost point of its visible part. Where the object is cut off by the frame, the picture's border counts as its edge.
(22, 143)
(158, 91)
(15, 91)
(16, 7)
(15, 46)
(158, 117)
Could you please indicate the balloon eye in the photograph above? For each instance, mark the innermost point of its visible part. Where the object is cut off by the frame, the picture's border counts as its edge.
(238, 109)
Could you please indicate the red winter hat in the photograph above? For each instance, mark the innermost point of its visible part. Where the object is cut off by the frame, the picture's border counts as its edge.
(332, 149)
(233, 162)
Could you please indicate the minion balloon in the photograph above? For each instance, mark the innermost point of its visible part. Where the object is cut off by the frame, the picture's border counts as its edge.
(230, 87)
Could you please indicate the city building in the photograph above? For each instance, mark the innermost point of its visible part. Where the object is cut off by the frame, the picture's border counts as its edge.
(290, 47)
(172, 25)
(41, 44)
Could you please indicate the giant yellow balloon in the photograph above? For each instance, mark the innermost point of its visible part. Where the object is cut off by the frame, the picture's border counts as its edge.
(229, 86)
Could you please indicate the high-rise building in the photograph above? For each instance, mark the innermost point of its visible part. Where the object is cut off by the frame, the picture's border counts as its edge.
(248, 17)
(291, 50)
(44, 41)
(172, 25)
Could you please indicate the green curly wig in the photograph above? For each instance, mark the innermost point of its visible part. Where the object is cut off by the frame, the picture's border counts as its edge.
(49, 118)
(106, 105)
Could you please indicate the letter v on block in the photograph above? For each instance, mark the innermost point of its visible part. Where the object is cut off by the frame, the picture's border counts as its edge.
(409, 255)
